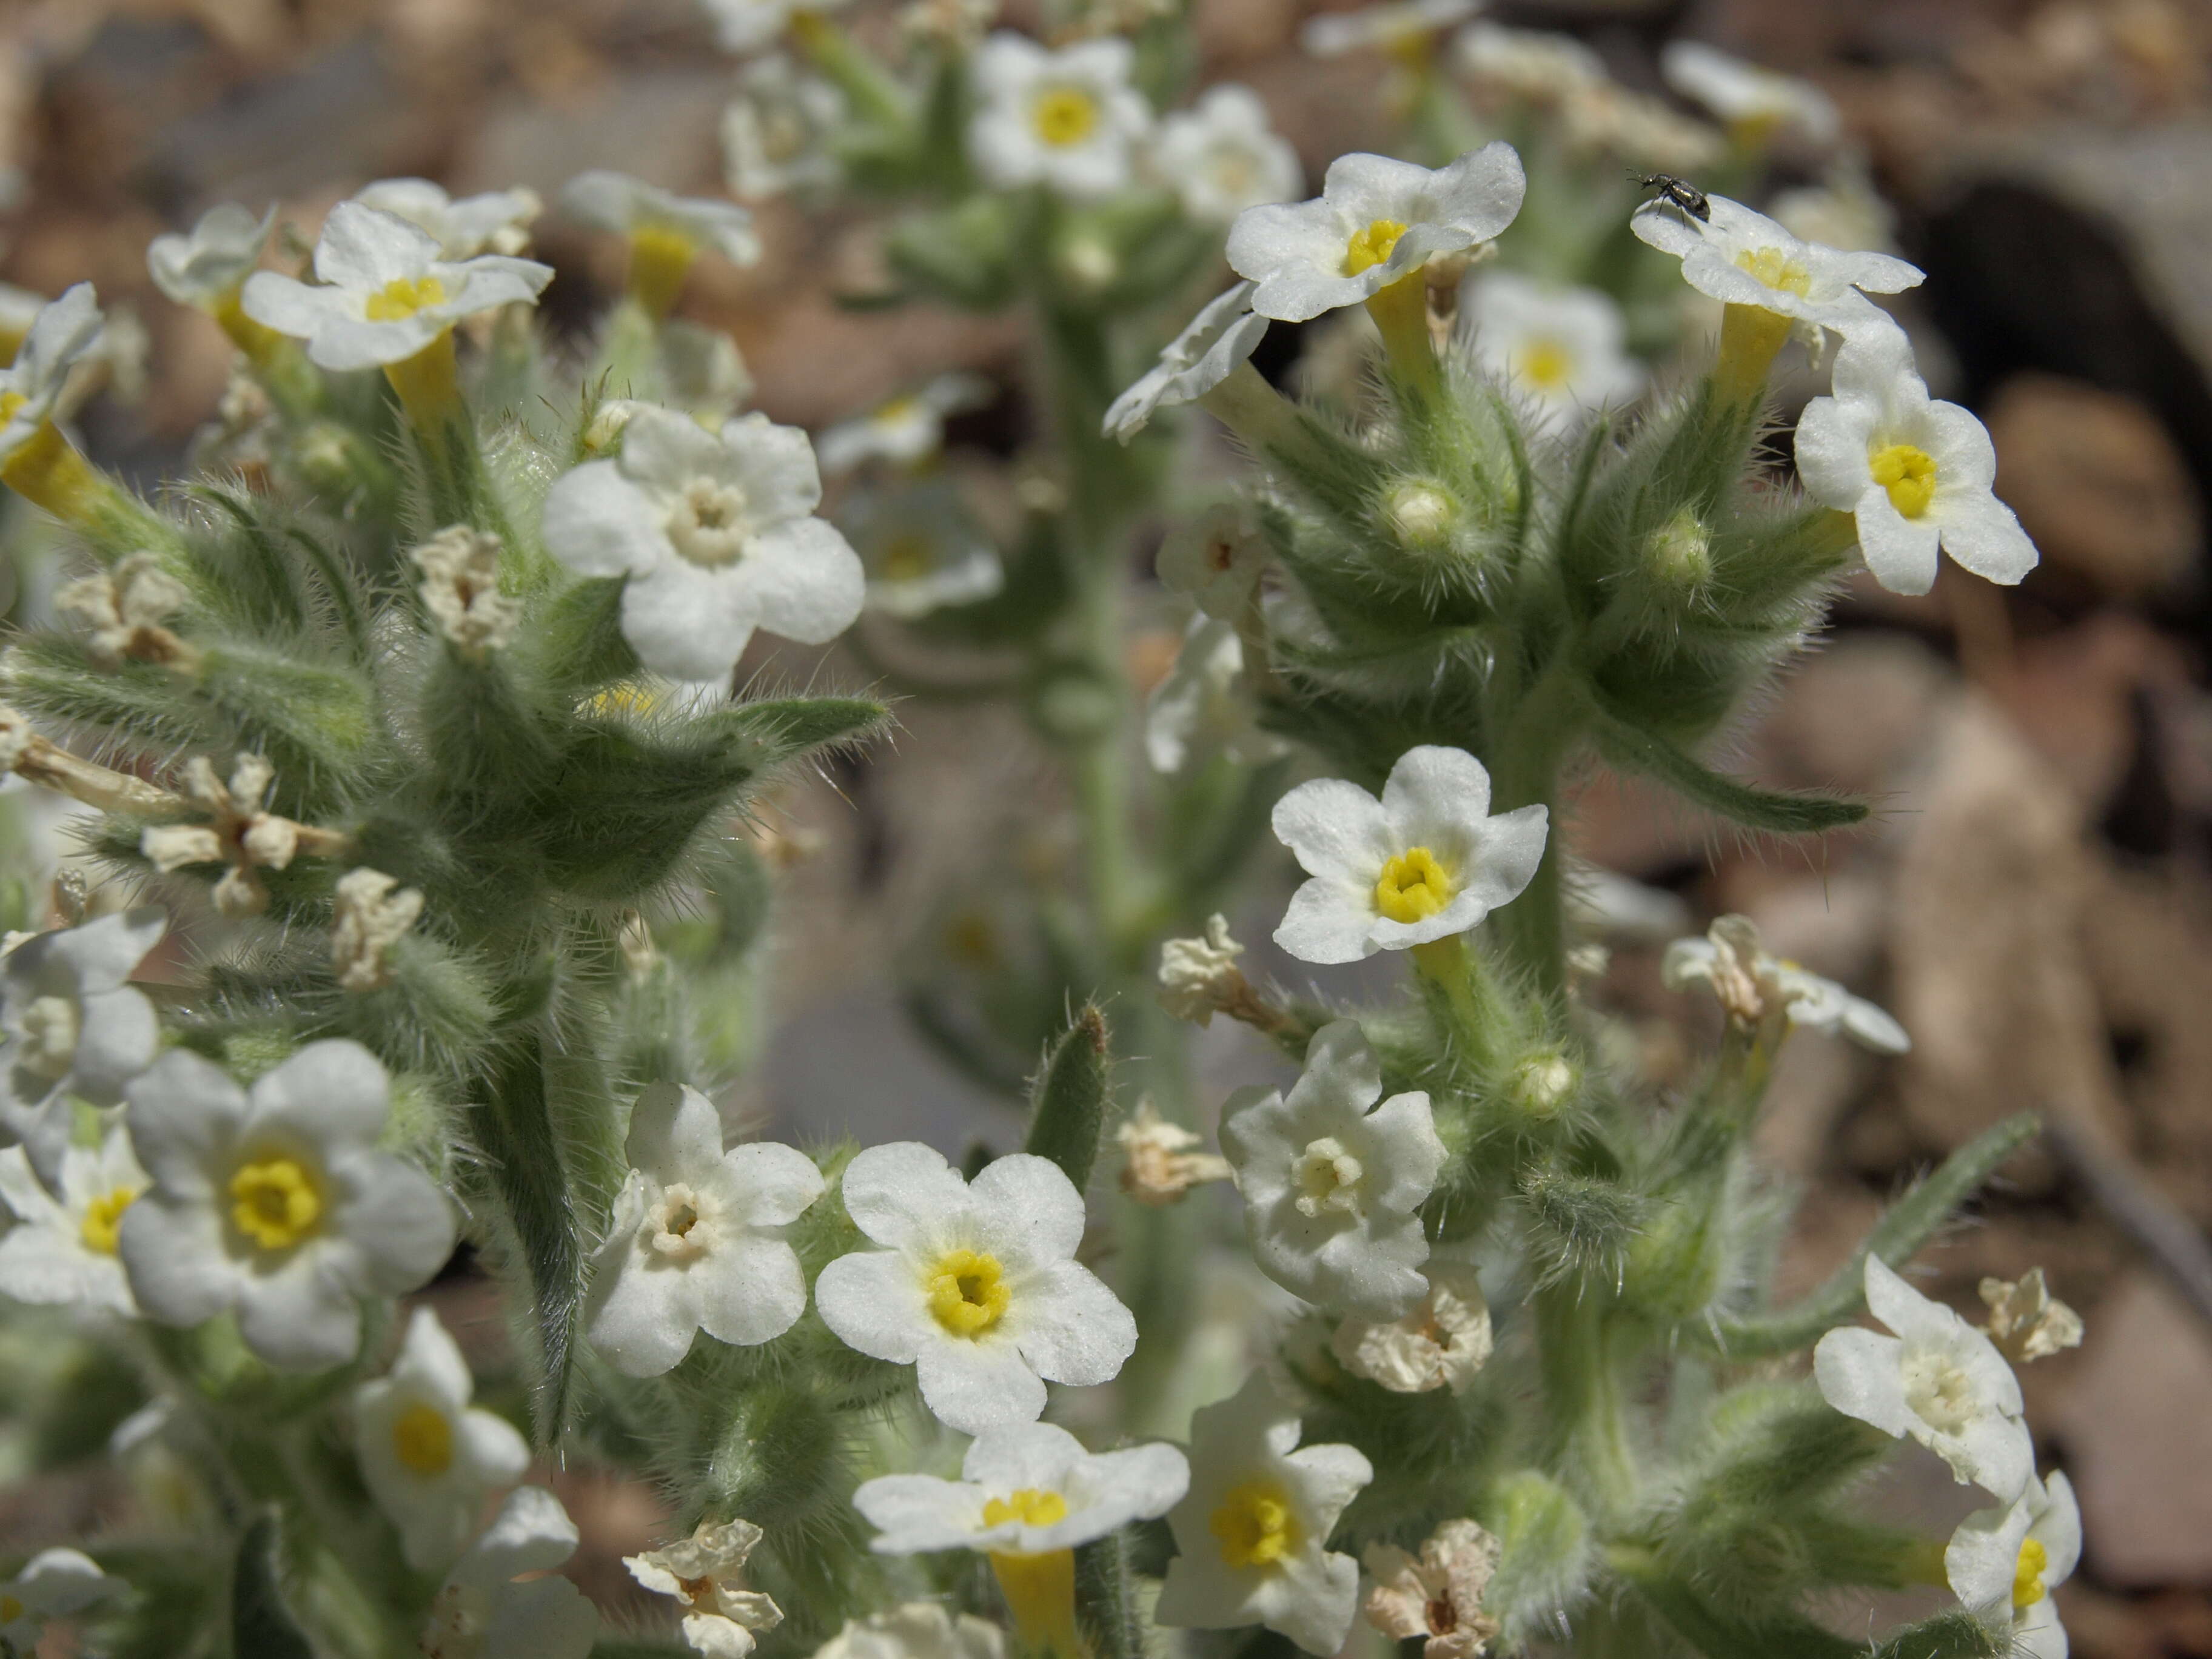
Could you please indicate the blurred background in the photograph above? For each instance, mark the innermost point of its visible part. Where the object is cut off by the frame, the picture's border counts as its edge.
(2034, 899)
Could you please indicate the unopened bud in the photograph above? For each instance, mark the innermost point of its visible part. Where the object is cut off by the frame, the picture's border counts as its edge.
(1543, 1083)
(1681, 552)
(1421, 514)
(1089, 264)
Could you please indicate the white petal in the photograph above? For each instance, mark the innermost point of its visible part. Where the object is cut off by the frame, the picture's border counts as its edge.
(1027, 1202)
(1037, 1456)
(597, 523)
(973, 1385)
(749, 1290)
(803, 581)
(329, 1092)
(1985, 537)
(1070, 1327)
(1899, 550)
(396, 1217)
(1857, 1373)
(1334, 828)
(675, 1134)
(687, 623)
(918, 1513)
(642, 1314)
(172, 1252)
(184, 1110)
(903, 1193)
(1832, 441)
(1329, 920)
(299, 1317)
(118, 1040)
(365, 249)
(773, 1184)
(873, 1300)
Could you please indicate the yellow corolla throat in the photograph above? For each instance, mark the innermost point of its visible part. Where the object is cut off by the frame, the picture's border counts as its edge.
(402, 297)
(10, 1609)
(276, 1202)
(1255, 1525)
(1908, 474)
(103, 1219)
(1413, 886)
(1028, 1506)
(660, 258)
(1064, 115)
(1365, 249)
(1545, 364)
(968, 1292)
(1777, 270)
(2027, 1575)
(908, 557)
(423, 1440)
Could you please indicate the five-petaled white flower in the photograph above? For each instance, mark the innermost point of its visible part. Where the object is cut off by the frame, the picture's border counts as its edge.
(704, 1573)
(1938, 1380)
(905, 430)
(276, 1201)
(53, 1584)
(1375, 221)
(1538, 64)
(1436, 1595)
(745, 26)
(386, 290)
(650, 215)
(74, 1026)
(1217, 559)
(696, 1241)
(1254, 1531)
(497, 221)
(486, 1609)
(61, 1251)
(1754, 101)
(1068, 119)
(1204, 706)
(208, 264)
(776, 133)
(717, 535)
(430, 1459)
(1332, 1189)
(1222, 336)
(1561, 346)
(1753, 989)
(2004, 1562)
(1424, 862)
(1221, 155)
(1442, 1341)
(922, 549)
(1912, 471)
(1396, 26)
(916, 1630)
(1741, 258)
(34, 387)
(978, 1287)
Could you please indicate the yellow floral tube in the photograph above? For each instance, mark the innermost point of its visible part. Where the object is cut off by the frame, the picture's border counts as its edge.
(1751, 339)
(1039, 1592)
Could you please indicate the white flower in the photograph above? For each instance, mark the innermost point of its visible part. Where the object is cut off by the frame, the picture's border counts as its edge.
(276, 1201)
(703, 1573)
(1221, 156)
(1744, 258)
(1753, 987)
(1159, 1166)
(497, 222)
(916, 1630)
(717, 535)
(1333, 1190)
(33, 388)
(1375, 220)
(206, 266)
(1843, 211)
(53, 1583)
(697, 1240)
(1438, 1595)
(386, 291)
(776, 133)
(73, 1026)
(1066, 119)
(1221, 336)
(746, 26)
(648, 215)
(428, 1459)
(979, 1288)
(1253, 1532)
(1217, 559)
(905, 431)
(2025, 1320)
(1424, 862)
(1444, 1340)
(1027, 1489)
(1912, 471)
(1561, 346)
(1393, 26)
(61, 1251)
(1754, 101)
(461, 590)
(922, 549)
(19, 309)
(1204, 706)
(1938, 1380)
(1533, 63)
(2004, 1562)
(487, 1610)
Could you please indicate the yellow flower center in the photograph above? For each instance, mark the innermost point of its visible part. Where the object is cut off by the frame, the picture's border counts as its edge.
(402, 297)
(1255, 1525)
(1063, 116)
(1908, 474)
(1028, 1506)
(660, 258)
(103, 1219)
(275, 1202)
(423, 1440)
(11, 401)
(1777, 270)
(968, 1293)
(1371, 246)
(1545, 364)
(2028, 1577)
(11, 342)
(10, 1609)
(906, 556)
(1413, 886)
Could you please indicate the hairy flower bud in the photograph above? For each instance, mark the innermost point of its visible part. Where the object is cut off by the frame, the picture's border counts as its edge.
(1421, 514)
(1680, 553)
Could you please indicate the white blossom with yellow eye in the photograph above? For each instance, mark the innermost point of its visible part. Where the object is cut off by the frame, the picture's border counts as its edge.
(2004, 1562)
(1067, 119)
(1564, 348)
(61, 1251)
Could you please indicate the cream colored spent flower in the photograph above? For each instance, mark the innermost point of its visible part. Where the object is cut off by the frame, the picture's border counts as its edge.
(368, 918)
(1442, 1341)
(704, 1573)
(1757, 991)
(1198, 975)
(916, 1630)
(123, 611)
(460, 589)
(1159, 1166)
(1438, 1595)
(2025, 1320)
(61, 1251)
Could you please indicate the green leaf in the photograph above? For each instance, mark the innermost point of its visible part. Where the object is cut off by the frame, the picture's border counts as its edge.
(262, 1627)
(516, 1132)
(1721, 1635)
(1634, 750)
(1954, 1635)
(792, 725)
(1068, 1097)
(577, 637)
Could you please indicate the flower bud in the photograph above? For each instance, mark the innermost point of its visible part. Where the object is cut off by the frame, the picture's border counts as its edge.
(1681, 552)
(1542, 1082)
(1421, 514)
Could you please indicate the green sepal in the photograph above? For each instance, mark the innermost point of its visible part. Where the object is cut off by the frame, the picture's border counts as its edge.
(577, 637)
(1069, 1095)
(1954, 1635)
(1778, 813)
(1543, 1557)
(790, 726)
(261, 1624)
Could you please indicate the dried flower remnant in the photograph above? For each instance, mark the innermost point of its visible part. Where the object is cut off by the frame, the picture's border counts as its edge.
(1159, 1166)
(461, 590)
(123, 612)
(705, 1574)
(242, 834)
(1436, 1596)
(2025, 1320)
(369, 918)
(1442, 1341)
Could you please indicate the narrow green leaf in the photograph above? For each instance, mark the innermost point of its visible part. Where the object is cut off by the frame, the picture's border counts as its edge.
(1103, 1603)
(1720, 1635)
(792, 725)
(261, 1624)
(1068, 1097)
(578, 637)
(519, 1142)
(1634, 750)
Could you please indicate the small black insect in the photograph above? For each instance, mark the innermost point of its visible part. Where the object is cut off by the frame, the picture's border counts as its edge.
(1687, 196)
